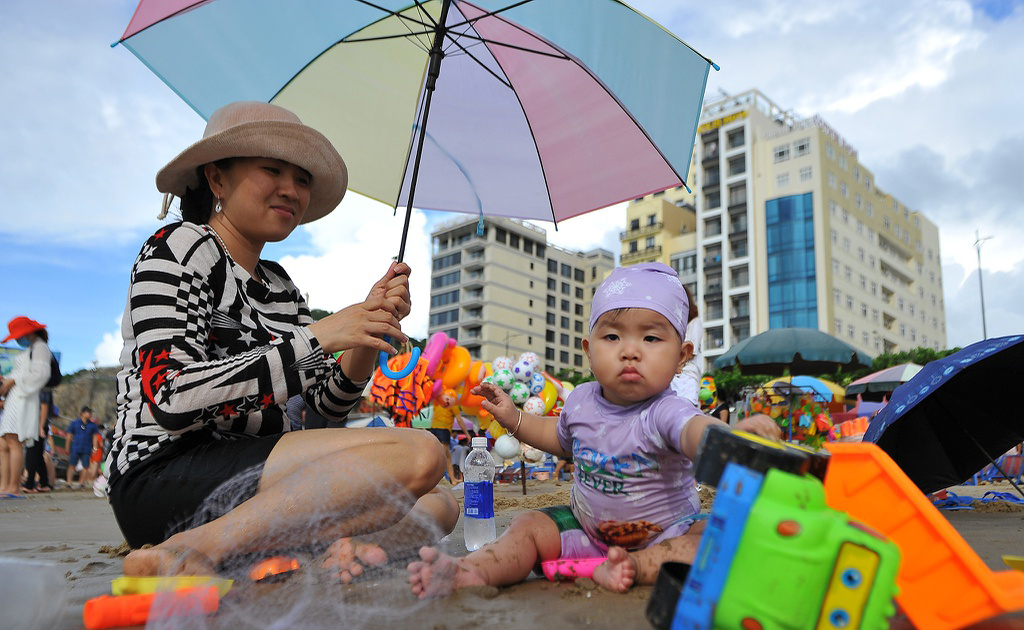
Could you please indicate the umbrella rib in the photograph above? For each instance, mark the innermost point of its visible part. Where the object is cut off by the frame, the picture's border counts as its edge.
(513, 46)
(490, 13)
(405, 18)
(494, 74)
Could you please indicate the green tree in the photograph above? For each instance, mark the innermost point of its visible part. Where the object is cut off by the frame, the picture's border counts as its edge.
(318, 313)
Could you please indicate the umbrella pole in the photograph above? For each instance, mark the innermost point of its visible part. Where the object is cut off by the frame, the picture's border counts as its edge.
(993, 461)
(433, 70)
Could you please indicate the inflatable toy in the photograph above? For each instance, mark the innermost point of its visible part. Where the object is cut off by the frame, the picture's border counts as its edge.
(537, 383)
(504, 379)
(548, 395)
(532, 455)
(519, 393)
(503, 363)
(535, 405)
(458, 367)
(506, 447)
(531, 358)
(523, 371)
(448, 398)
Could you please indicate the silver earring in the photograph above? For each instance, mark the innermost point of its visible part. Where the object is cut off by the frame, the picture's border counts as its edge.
(217, 208)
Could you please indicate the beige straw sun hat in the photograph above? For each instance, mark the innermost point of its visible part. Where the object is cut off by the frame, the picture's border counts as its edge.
(257, 129)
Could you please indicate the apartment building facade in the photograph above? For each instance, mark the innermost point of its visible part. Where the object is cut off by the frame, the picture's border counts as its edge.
(791, 230)
(506, 291)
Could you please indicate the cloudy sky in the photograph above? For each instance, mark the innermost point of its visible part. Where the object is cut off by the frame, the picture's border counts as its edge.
(929, 92)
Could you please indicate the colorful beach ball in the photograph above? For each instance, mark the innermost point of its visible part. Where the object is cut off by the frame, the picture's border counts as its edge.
(504, 379)
(519, 393)
(502, 363)
(537, 383)
(523, 371)
(534, 405)
(531, 358)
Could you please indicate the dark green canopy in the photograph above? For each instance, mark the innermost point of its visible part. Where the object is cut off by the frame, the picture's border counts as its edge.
(799, 350)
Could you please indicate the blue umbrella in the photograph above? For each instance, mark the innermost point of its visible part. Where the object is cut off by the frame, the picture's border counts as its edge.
(944, 424)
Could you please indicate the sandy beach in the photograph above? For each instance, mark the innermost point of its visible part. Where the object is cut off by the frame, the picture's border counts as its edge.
(77, 530)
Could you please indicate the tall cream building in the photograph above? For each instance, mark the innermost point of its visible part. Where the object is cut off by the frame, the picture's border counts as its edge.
(787, 228)
(507, 291)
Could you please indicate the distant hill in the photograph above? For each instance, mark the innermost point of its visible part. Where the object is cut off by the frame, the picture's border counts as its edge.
(95, 388)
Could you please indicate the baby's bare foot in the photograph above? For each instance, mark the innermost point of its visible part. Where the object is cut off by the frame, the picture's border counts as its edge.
(346, 558)
(438, 574)
(618, 572)
(171, 560)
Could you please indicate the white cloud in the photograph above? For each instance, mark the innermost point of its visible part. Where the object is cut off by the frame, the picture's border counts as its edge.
(108, 352)
(353, 247)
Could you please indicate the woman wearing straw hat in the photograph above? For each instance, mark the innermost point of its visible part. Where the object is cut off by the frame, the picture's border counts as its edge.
(216, 340)
(19, 424)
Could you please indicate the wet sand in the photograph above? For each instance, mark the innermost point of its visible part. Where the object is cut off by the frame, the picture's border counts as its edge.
(77, 530)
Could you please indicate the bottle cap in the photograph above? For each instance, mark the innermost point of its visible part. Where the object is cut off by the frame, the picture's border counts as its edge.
(479, 442)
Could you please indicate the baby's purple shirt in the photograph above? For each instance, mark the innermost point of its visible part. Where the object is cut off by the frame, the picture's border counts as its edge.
(628, 466)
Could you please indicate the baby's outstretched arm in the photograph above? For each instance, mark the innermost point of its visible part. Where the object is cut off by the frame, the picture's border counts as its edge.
(537, 431)
(759, 424)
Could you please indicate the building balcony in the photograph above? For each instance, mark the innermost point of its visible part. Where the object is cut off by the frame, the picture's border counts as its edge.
(641, 231)
(640, 254)
(737, 317)
(713, 289)
(713, 262)
(738, 207)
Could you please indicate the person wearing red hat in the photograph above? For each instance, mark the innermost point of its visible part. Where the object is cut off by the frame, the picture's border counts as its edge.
(19, 424)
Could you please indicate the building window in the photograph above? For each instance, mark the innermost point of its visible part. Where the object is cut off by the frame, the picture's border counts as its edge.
(566, 271)
(552, 284)
(566, 289)
(737, 165)
(443, 299)
(830, 151)
(552, 265)
(499, 235)
(781, 153)
(565, 323)
(849, 302)
(837, 296)
(549, 336)
(863, 310)
(832, 179)
(735, 138)
(713, 199)
(445, 280)
(805, 173)
(578, 326)
(579, 310)
(649, 242)
(633, 247)
(792, 293)
(579, 293)
(513, 241)
(634, 224)
(551, 301)
(563, 339)
(565, 306)
(802, 146)
(782, 180)
(577, 360)
(563, 356)
(550, 319)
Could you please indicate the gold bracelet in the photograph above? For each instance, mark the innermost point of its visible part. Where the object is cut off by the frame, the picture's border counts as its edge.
(513, 431)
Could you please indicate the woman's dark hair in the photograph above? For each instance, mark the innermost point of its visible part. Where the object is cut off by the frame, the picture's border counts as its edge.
(42, 334)
(197, 205)
(693, 305)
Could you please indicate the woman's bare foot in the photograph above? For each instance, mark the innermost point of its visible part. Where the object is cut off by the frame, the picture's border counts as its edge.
(169, 560)
(618, 572)
(346, 558)
(438, 574)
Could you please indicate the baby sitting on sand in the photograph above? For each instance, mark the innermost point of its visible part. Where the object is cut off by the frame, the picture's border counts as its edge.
(633, 442)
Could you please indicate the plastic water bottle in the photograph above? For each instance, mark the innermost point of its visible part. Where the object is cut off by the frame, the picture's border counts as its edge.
(478, 477)
(33, 593)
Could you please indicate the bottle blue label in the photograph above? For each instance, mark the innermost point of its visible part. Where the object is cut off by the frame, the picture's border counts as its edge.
(479, 499)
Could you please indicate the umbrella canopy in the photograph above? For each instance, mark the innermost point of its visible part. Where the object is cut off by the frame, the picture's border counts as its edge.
(884, 380)
(822, 389)
(804, 350)
(944, 424)
(543, 109)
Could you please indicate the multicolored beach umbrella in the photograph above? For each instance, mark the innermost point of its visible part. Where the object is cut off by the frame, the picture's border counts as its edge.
(534, 109)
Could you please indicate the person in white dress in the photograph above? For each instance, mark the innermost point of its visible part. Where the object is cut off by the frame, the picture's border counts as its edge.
(19, 424)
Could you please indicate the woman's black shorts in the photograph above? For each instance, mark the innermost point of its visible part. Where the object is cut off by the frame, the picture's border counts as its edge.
(193, 481)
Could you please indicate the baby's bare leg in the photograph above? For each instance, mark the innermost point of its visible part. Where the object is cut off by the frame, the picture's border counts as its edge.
(623, 570)
(531, 537)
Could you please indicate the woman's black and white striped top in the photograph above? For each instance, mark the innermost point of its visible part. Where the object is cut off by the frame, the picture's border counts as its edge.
(206, 346)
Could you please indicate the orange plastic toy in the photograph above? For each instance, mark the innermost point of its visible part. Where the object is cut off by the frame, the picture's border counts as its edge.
(943, 583)
(274, 568)
(115, 611)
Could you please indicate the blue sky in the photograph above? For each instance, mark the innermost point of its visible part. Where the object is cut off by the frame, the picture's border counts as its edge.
(927, 91)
